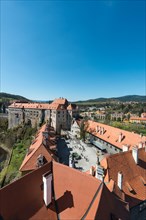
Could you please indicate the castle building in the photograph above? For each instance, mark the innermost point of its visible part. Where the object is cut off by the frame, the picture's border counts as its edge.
(58, 114)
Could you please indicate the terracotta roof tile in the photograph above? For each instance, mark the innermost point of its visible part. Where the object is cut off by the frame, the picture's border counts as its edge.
(111, 135)
(106, 207)
(30, 105)
(56, 104)
(133, 185)
(38, 148)
(71, 107)
(88, 189)
(61, 101)
(77, 196)
(77, 184)
(138, 119)
(23, 199)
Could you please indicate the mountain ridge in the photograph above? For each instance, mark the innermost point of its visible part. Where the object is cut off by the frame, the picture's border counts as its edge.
(126, 98)
(8, 97)
(136, 98)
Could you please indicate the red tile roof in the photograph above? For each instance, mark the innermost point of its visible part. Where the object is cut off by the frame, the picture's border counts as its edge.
(56, 104)
(107, 206)
(38, 148)
(87, 196)
(71, 107)
(111, 135)
(30, 105)
(61, 101)
(138, 119)
(134, 175)
(77, 196)
(23, 199)
(77, 183)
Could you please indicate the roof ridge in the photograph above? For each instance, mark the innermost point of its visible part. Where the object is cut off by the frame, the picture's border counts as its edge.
(32, 156)
(75, 170)
(41, 130)
(34, 151)
(129, 132)
(94, 197)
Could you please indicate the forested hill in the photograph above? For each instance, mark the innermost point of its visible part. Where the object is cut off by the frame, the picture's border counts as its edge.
(6, 97)
(128, 98)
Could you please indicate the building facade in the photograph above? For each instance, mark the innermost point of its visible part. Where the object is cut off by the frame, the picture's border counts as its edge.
(108, 138)
(58, 114)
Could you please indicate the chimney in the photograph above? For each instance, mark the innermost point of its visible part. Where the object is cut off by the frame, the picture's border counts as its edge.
(125, 147)
(99, 129)
(71, 162)
(140, 145)
(47, 181)
(99, 172)
(135, 154)
(140, 135)
(102, 130)
(120, 137)
(120, 180)
(98, 163)
(91, 171)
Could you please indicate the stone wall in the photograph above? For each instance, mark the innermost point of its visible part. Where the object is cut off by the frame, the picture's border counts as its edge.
(15, 117)
(22, 116)
(59, 119)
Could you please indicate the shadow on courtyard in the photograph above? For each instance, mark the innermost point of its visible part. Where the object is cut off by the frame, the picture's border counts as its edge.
(63, 151)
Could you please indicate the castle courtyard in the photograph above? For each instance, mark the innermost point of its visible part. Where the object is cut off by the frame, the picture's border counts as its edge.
(87, 153)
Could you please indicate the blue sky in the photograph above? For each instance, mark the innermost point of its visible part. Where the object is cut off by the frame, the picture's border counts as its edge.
(73, 49)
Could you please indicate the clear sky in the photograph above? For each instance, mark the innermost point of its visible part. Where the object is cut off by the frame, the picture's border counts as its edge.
(73, 49)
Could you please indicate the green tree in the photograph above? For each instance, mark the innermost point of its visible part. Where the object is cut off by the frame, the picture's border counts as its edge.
(107, 118)
(128, 117)
(3, 124)
(126, 110)
(140, 112)
(118, 119)
(83, 129)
